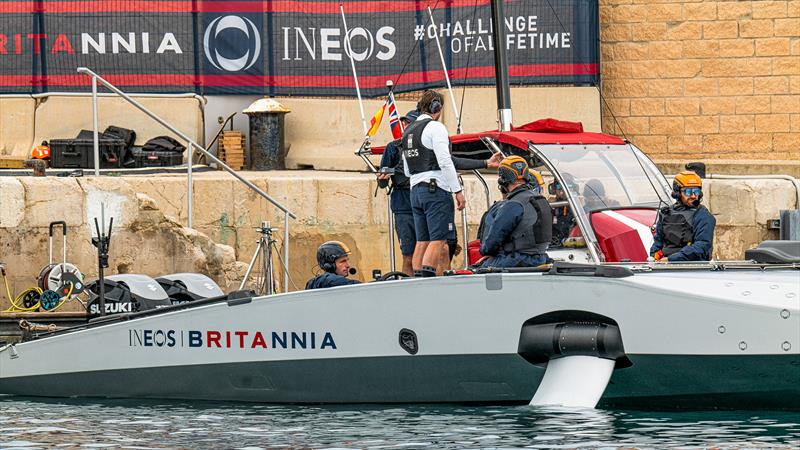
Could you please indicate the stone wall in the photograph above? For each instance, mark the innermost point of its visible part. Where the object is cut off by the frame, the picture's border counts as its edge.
(150, 211)
(703, 79)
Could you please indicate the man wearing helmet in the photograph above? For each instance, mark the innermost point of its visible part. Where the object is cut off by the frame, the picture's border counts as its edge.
(520, 230)
(685, 230)
(333, 258)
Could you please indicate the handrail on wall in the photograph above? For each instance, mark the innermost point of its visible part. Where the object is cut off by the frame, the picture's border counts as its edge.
(190, 184)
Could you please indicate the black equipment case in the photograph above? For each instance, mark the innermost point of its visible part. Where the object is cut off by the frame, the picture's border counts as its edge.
(79, 153)
(144, 158)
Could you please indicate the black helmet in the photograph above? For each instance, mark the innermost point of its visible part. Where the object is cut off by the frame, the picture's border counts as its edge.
(329, 252)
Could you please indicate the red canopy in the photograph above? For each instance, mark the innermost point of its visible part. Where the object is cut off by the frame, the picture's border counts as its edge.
(543, 131)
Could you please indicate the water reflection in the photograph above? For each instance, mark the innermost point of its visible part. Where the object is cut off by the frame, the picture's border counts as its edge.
(29, 424)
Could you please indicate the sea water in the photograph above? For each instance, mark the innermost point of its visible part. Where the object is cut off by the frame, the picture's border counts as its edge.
(36, 423)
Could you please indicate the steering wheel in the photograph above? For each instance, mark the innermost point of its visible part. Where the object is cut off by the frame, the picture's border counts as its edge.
(396, 275)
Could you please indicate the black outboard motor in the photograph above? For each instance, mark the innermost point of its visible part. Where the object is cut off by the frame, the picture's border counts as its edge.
(187, 287)
(127, 293)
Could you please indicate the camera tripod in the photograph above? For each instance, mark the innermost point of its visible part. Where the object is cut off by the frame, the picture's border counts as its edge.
(261, 265)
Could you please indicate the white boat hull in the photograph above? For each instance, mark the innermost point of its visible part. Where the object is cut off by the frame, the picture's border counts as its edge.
(735, 339)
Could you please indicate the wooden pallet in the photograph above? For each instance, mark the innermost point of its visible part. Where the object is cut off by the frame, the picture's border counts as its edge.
(231, 149)
(12, 162)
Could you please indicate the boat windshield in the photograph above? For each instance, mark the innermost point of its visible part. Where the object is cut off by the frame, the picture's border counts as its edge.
(608, 176)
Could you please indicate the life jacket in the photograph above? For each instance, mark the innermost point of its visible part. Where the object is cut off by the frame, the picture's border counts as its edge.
(677, 228)
(41, 152)
(535, 231)
(399, 178)
(418, 157)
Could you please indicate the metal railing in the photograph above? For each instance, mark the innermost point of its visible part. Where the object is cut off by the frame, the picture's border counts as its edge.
(191, 144)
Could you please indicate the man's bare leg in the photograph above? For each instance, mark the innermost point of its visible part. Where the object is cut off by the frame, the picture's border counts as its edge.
(419, 254)
(433, 255)
(408, 267)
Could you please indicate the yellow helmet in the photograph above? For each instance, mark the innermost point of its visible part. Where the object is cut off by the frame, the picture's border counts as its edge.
(537, 177)
(513, 168)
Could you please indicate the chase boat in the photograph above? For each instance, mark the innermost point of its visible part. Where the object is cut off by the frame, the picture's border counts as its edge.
(601, 325)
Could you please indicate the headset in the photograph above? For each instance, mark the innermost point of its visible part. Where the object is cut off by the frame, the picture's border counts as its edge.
(329, 252)
(435, 106)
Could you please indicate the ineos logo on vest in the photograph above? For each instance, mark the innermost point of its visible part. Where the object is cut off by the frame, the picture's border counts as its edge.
(245, 56)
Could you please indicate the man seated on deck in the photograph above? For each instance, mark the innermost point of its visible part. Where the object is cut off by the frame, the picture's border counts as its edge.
(519, 231)
(685, 230)
(334, 258)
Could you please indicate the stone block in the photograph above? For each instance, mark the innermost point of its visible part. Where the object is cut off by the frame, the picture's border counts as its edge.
(794, 84)
(735, 86)
(663, 12)
(732, 48)
(786, 65)
(787, 27)
(723, 29)
(755, 28)
(616, 33)
(656, 31)
(46, 201)
(734, 10)
(766, 123)
(647, 107)
(343, 200)
(736, 123)
(646, 69)
(720, 143)
(109, 197)
(769, 10)
(685, 31)
(666, 49)
(732, 202)
(635, 125)
(700, 87)
(753, 105)
(718, 105)
(667, 126)
(795, 123)
(651, 144)
(755, 143)
(684, 144)
(682, 106)
(685, 68)
(771, 85)
(299, 194)
(630, 51)
(700, 11)
(16, 126)
(730, 242)
(787, 142)
(701, 125)
(169, 193)
(779, 46)
(701, 49)
(12, 202)
(715, 68)
(630, 13)
(664, 88)
(771, 196)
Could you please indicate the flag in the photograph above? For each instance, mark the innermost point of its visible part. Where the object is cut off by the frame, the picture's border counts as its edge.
(394, 118)
(376, 120)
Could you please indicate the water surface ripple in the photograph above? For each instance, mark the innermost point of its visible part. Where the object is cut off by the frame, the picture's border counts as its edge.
(35, 423)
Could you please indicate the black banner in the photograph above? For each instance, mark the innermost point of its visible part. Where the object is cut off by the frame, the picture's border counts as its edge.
(290, 47)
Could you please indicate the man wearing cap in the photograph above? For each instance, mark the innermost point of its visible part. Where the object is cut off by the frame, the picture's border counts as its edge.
(685, 229)
(520, 230)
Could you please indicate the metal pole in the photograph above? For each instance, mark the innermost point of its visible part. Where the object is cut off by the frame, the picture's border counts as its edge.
(190, 188)
(392, 266)
(94, 128)
(485, 188)
(286, 251)
(349, 52)
(501, 67)
(446, 75)
(464, 237)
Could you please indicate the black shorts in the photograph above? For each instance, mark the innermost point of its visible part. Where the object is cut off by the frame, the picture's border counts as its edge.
(434, 213)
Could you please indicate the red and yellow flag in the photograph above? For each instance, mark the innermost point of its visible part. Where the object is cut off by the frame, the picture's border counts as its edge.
(376, 120)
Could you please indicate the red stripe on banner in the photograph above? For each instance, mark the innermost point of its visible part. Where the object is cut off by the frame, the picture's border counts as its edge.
(339, 81)
(281, 6)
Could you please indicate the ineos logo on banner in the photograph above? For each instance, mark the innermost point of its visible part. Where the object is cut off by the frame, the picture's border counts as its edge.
(232, 43)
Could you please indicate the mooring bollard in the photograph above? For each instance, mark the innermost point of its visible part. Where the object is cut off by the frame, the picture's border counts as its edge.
(266, 150)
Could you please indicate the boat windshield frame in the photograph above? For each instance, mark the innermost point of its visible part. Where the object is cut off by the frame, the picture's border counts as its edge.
(620, 164)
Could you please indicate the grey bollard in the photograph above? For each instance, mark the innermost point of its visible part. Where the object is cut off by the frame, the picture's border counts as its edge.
(267, 150)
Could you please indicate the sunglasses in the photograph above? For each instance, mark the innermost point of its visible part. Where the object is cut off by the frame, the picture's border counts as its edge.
(689, 191)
